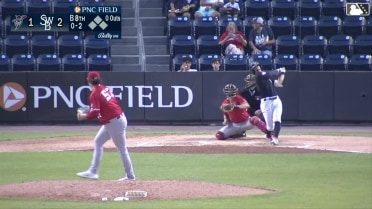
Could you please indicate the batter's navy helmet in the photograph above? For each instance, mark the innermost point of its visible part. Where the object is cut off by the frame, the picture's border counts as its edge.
(253, 65)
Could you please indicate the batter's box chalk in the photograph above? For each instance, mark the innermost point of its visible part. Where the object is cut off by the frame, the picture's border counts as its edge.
(135, 193)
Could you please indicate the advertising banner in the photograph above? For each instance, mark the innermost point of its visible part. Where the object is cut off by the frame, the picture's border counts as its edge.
(13, 97)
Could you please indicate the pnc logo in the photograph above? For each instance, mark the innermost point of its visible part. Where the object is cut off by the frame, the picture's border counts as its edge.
(12, 96)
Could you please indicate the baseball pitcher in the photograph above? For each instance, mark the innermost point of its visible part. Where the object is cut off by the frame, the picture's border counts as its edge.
(105, 107)
(236, 118)
(271, 105)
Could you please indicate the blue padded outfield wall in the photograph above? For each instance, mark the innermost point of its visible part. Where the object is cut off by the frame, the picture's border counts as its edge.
(32, 97)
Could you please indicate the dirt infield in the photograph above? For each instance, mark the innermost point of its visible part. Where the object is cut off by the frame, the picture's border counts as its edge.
(89, 190)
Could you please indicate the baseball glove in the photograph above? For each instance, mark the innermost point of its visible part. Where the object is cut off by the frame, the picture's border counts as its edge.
(227, 107)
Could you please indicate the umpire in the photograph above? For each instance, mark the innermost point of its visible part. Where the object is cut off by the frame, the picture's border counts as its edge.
(251, 94)
(271, 105)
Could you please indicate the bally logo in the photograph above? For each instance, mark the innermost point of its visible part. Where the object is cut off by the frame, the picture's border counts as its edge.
(12, 96)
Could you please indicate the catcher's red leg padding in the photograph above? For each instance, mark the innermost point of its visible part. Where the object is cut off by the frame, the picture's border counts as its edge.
(256, 121)
(220, 136)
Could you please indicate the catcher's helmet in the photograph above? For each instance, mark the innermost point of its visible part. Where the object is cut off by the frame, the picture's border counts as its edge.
(230, 90)
(250, 79)
(253, 65)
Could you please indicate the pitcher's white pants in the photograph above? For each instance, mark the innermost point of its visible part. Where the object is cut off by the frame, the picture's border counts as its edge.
(116, 130)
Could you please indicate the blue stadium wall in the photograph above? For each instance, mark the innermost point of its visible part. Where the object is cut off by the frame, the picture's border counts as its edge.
(166, 97)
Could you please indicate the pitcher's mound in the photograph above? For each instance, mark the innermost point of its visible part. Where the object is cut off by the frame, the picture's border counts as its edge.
(92, 190)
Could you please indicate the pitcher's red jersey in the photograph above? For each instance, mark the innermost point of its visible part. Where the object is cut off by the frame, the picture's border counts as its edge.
(103, 104)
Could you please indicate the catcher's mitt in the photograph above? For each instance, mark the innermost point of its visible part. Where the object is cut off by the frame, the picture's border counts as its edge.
(227, 107)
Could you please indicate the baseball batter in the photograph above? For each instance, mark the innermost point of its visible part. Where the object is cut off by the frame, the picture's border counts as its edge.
(104, 106)
(236, 118)
(271, 105)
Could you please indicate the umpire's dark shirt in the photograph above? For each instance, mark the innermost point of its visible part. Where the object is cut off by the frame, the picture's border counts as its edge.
(253, 98)
(265, 83)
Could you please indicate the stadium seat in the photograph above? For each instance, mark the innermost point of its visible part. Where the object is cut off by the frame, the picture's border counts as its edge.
(258, 8)
(225, 20)
(75, 33)
(281, 25)
(4, 62)
(23, 62)
(235, 63)
(12, 7)
(314, 44)
(179, 26)
(288, 44)
(182, 44)
(96, 46)
(353, 26)
(310, 8)
(16, 44)
(358, 1)
(39, 6)
(61, 6)
(176, 62)
(311, 62)
(91, 2)
(208, 44)
(289, 61)
(369, 26)
(1, 45)
(340, 44)
(334, 8)
(265, 61)
(335, 62)
(304, 26)
(48, 62)
(363, 44)
(205, 26)
(73, 62)
(329, 26)
(43, 44)
(360, 62)
(205, 61)
(1, 27)
(69, 44)
(287, 8)
(99, 62)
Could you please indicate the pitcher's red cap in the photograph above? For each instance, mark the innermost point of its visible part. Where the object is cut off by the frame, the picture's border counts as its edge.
(93, 75)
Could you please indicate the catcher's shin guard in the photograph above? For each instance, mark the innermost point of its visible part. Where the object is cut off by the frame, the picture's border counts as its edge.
(256, 121)
(220, 136)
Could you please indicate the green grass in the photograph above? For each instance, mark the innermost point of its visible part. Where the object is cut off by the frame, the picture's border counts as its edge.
(8, 136)
(302, 181)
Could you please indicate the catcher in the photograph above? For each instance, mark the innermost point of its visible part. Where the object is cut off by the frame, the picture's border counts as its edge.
(236, 118)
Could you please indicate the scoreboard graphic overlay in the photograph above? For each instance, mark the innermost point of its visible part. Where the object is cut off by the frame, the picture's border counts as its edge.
(103, 21)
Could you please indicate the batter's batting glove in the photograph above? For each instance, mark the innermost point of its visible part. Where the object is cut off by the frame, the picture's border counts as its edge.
(281, 70)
